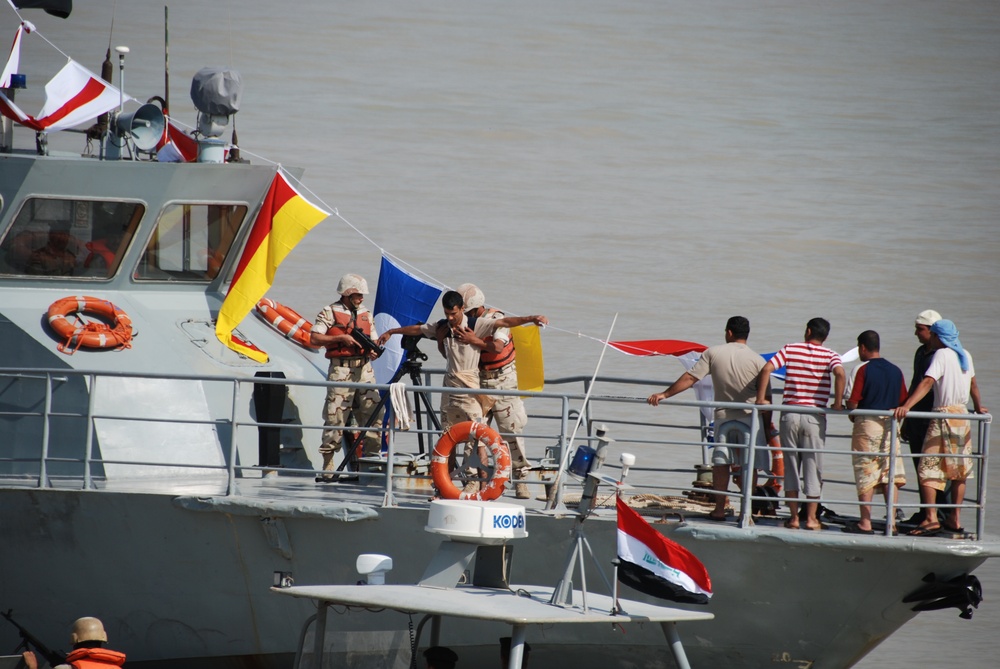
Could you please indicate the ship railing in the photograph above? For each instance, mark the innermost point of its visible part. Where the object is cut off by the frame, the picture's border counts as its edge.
(837, 449)
(558, 423)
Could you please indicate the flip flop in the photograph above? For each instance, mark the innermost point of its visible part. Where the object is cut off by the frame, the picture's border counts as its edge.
(955, 530)
(822, 526)
(789, 526)
(716, 518)
(925, 531)
(854, 529)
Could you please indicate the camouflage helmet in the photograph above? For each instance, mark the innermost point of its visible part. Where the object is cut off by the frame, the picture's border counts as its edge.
(471, 295)
(352, 284)
(88, 629)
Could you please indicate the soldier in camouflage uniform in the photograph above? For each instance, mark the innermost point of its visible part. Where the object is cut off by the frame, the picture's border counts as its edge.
(497, 371)
(348, 364)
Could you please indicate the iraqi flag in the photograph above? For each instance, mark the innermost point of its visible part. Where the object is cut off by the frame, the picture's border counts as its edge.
(283, 220)
(657, 566)
(402, 299)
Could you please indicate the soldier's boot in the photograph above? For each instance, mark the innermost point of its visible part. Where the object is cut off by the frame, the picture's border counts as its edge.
(521, 490)
(328, 466)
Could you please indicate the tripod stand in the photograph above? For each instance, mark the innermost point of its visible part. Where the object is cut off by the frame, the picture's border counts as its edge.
(562, 595)
(412, 365)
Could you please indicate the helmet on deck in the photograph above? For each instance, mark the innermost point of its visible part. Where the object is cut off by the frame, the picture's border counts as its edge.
(352, 284)
(88, 629)
(471, 296)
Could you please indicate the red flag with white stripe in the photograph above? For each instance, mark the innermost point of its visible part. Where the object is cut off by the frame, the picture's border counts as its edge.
(657, 566)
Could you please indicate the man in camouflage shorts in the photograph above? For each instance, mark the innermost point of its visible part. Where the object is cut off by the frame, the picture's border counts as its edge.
(498, 371)
(348, 364)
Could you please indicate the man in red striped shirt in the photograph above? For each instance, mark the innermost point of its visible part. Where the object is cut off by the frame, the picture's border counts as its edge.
(808, 368)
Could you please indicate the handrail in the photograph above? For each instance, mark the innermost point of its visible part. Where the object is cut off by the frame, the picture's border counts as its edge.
(656, 434)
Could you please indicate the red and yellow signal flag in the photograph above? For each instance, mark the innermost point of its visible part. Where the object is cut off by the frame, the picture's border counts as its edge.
(284, 219)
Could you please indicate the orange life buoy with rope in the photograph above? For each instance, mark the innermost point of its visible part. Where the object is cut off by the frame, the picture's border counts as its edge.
(459, 434)
(287, 321)
(777, 459)
(78, 333)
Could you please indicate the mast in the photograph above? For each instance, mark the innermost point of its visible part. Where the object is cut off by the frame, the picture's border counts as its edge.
(166, 59)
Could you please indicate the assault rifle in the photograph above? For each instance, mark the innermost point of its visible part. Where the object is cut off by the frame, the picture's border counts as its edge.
(29, 640)
(365, 342)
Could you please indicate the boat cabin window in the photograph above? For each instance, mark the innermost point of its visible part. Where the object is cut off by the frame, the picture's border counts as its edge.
(190, 242)
(69, 238)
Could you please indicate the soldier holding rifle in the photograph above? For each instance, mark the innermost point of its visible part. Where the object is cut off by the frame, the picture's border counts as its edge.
(88, 638)
(346, 330)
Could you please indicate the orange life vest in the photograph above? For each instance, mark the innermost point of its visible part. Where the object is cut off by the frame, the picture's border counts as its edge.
(490, 361)
(95, 658)
(347, 321)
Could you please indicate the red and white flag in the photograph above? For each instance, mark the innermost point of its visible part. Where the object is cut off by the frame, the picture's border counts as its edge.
(14, 59)
(657, 566)
(176, 146)
(73, 97)
(685, 352)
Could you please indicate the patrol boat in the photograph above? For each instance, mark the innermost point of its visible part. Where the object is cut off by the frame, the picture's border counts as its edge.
(155, 478)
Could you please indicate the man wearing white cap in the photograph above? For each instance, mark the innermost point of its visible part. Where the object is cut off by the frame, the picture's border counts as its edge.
(348, 364)
(498, 371)
(951, 378)
(914, 429)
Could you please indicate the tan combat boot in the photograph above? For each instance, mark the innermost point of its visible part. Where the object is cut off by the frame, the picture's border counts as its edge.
(521, 490)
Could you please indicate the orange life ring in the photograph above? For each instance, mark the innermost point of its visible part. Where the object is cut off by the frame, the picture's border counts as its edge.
(92, 335)
(777, 459)
(286, 321)
(459, 434)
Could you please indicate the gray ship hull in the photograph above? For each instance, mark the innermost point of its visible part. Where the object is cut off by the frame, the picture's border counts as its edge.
(186, 579)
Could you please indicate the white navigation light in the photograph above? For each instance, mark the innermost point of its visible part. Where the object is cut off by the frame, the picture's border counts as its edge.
(476, 522)
(374, 566)
(627, 460)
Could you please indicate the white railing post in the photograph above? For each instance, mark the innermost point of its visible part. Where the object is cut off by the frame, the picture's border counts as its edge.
(43, 472)
(88, 454)
(233, 443)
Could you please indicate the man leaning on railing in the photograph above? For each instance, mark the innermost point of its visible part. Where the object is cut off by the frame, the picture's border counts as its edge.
(948, 442)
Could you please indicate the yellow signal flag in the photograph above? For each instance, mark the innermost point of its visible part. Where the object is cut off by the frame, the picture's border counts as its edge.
(530, 366)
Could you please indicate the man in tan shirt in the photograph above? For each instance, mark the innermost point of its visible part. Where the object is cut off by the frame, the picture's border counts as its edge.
(734, 368)
(462, 347)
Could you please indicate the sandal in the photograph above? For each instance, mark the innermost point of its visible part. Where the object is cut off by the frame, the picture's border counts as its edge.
(925, 531)
(854, 529)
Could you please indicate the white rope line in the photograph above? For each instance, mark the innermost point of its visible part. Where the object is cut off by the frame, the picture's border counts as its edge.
(335, 211)
(590, 387)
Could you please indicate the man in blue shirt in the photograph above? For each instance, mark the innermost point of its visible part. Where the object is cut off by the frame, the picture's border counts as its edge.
(878, 385)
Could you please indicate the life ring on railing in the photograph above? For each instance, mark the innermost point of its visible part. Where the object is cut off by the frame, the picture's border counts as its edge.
(75, 334)
(459, 434)
(777, 459)
(286, 321)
